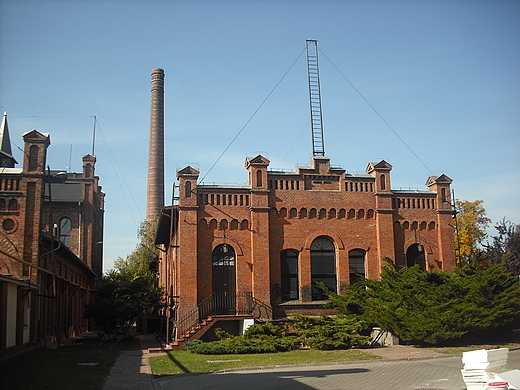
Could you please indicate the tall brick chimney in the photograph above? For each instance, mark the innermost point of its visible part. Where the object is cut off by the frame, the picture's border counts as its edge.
(155, 193)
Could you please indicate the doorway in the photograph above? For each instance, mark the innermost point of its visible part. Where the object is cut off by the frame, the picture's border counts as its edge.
(224, 280)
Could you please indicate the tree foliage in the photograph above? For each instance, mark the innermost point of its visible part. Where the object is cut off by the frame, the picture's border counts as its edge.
(324, 333)
(128, 291)
(137, 263)
(471, 230)
(120, 301)
(505, 247)
(259, 338)
(422, 307)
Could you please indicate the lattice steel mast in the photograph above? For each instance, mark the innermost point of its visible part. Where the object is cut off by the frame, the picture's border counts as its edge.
(318, 146)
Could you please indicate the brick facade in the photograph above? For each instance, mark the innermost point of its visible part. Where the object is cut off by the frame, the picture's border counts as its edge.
(51, 231)
(284, 231)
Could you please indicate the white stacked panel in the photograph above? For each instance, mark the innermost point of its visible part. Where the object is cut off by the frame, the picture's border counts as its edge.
(478, 365)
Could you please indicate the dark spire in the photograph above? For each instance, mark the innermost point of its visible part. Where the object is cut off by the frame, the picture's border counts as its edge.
(6, 155)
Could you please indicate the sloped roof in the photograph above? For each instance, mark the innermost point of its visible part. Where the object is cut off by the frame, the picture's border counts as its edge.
(5, 141)
(441, 179)
(65, 192)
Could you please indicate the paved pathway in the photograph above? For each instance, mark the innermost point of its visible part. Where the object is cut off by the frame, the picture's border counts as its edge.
(132, 371)
(403, 368)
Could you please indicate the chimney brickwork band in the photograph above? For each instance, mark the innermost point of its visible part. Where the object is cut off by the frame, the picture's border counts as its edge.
(155, 192)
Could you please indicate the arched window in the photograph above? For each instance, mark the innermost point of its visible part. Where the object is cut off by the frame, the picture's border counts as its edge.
(223, 224)
(65, 229)
(188, 189)
(289, 266)
(259, 178)
(323, 266)
(415, 256)
(244, 225)
(356, 260)
(33, 158)
(2, 204)
(383, 183)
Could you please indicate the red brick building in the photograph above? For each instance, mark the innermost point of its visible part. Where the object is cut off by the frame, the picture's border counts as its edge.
(231, 250)
(51, 230)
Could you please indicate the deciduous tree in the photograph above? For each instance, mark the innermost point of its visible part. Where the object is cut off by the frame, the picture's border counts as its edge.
(505, 247)
(471, 223)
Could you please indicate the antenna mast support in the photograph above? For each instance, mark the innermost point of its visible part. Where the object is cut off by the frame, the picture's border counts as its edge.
(318, 147)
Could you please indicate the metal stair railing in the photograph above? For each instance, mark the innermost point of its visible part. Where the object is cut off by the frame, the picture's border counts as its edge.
(241, 303)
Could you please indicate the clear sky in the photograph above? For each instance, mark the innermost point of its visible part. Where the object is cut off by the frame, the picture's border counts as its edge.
(445, 75)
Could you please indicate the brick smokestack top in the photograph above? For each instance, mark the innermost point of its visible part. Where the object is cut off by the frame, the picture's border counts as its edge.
(155, 194)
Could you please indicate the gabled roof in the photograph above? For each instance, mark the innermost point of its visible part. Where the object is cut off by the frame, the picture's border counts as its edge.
(258, 160)
(5, 141)
(188, 171)
(372, 166)
(35, 135)
(442, 179)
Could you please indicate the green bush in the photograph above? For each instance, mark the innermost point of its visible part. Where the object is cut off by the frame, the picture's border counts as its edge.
(327, 333)
(431, 308)
(262, 338)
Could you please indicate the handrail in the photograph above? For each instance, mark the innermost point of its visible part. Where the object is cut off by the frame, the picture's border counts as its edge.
(240, 303)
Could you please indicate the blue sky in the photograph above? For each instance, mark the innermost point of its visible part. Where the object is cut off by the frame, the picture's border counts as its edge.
(443, 74)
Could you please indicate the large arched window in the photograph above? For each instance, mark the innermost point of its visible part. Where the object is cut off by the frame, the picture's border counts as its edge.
(415, 255)
(356, 260)
(65, 228)
(289, 266)
(323, 266)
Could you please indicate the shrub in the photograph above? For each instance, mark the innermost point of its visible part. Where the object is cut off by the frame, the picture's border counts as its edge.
(262, 338)
(326, 333)
(422, 307)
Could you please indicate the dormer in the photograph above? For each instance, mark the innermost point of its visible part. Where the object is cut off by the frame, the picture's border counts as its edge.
(35, 151)
(381, 171)
(441, 185)
(187, 178)
(257, 169)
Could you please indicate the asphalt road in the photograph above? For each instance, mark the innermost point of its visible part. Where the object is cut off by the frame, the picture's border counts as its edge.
(425, 374)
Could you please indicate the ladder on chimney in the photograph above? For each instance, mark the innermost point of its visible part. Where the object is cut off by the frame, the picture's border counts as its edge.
(318, 147)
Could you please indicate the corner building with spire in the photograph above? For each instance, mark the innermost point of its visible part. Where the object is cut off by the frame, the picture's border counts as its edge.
(237, 253)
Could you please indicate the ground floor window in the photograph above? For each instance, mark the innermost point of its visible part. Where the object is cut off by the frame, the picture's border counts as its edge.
(289, 266)
(356, 259)
(323, 266)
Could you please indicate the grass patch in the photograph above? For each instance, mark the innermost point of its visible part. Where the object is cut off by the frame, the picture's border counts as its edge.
(46, 368)
(182, 362)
